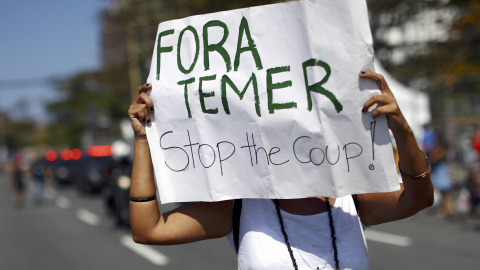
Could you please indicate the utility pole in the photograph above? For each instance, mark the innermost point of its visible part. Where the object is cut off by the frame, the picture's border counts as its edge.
(3, 139)
(133, 59)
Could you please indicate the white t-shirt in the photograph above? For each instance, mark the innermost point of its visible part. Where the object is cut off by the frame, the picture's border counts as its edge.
(262, 245)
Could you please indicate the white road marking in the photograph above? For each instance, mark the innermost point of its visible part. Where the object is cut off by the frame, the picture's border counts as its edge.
(88, 217)
(152, 255)
(388, 238)
(49, 193)
(63, 202)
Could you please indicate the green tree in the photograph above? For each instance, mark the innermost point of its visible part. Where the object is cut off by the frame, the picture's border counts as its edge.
(433, 46)
(15, 135)
(77, 116)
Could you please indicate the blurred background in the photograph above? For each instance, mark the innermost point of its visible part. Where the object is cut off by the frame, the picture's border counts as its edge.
(69, 70)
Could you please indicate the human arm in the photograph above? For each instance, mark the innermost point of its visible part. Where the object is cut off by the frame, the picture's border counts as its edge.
(414, 194)
(189, 223)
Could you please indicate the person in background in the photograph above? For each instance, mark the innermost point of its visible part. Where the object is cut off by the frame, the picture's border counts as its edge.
(429, 138)
(473, 180)
(441, 178)
(38, 178)
(17, 180)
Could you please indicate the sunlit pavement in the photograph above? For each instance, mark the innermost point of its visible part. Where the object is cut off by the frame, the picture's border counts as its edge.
(428, 243)
(72, 231)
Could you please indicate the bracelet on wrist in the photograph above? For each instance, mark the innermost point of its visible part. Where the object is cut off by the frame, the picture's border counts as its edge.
(420, 176)
(132, 199)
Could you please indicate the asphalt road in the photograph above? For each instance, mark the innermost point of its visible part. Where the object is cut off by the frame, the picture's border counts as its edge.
(71, 231)
(426, 242)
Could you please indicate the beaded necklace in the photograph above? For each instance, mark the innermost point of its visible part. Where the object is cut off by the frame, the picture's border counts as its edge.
(332, 233)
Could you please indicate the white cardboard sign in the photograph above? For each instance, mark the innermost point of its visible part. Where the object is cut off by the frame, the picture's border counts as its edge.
(265, 102)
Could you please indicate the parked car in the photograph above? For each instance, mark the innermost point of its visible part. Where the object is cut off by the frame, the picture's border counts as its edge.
(91, 173)
(62, 165)
(62, 171)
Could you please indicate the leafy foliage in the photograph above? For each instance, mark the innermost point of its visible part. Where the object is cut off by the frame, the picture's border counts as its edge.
(448, 60)
(434, 46)
(440, 62)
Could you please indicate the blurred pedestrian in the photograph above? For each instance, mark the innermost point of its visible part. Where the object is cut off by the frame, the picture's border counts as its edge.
(17, 180)
(429, 138)
(473, 180)
(38, 178)
(441, 178)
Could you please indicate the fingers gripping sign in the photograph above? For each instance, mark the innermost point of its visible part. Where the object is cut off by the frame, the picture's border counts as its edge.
(140, 109)
(386, 102)
(241, 114)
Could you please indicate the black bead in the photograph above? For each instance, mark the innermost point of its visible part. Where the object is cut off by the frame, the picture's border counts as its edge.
(332, 233)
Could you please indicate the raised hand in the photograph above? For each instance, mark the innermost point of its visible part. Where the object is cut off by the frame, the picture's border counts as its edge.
(139, 111)
(387, 104)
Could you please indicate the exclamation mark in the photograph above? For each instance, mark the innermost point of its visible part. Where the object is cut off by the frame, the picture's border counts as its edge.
(372, 135)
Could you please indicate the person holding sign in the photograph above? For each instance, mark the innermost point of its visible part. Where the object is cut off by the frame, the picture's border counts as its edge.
(303, 233)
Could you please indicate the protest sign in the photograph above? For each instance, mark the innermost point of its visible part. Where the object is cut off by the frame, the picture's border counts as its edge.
(265, 102)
